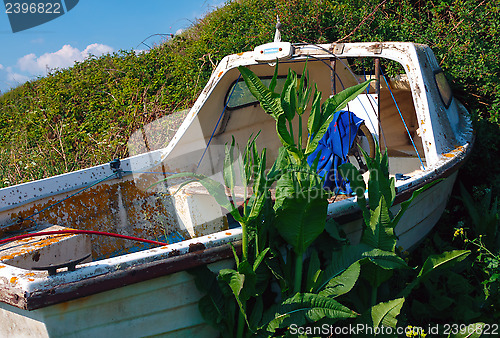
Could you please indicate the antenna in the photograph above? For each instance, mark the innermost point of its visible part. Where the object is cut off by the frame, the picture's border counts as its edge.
(277, 34)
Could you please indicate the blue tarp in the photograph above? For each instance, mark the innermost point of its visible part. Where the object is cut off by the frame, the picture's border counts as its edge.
(334, 147)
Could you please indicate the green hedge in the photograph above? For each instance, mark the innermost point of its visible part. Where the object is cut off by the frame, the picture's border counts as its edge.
(82, 116)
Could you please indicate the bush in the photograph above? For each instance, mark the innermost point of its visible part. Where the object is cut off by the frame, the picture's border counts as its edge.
(84, 115)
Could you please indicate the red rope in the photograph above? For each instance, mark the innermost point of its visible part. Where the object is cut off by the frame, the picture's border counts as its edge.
(74, 231)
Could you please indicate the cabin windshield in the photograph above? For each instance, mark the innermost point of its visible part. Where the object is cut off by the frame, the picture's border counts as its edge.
(239, 96)
(444, 88)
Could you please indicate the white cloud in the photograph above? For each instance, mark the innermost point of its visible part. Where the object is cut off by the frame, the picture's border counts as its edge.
(28, 63)
(63, 58)
(1, 66)
(96, 49)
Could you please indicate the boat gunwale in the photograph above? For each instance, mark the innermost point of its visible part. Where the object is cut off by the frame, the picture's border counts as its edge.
(115, 279)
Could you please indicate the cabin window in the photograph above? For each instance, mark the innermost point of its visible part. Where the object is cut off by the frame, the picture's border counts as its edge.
(443, 88)
(242, 96)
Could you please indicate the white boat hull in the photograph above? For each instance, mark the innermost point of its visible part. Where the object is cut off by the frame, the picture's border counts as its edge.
(166, 306)
(415, 224)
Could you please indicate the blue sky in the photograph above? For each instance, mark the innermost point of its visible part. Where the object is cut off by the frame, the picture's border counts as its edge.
(91, 27)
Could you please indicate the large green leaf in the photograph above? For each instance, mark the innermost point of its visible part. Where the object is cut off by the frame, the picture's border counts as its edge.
(313, 123)
(274, 79)
(289, 96)
(312, 142)
(378, 266)
(260, 257)
(303, 90)
(433, 263)
(301, 218)
(343, 283)
(313, 271)
(340, 100)
(341, 260)
(260, 189)
(228, 170)
(285, 188)
(442, 261)
(306, 307)
(248, 291)
(385, 259)
(379, 234)
(383, 314)
(303, 100)
(215, 309)
(285, 137)
(276, 265)
(235, 281)
(294, 178)
(270, 102)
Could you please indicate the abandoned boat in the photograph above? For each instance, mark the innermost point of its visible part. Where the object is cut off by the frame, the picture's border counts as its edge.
(81, 283)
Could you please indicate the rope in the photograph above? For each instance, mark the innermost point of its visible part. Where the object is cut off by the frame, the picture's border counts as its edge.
(402, 118)
(150, 172)
(218, 121)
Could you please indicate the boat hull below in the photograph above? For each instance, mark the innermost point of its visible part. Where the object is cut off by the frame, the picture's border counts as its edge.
(166, 306)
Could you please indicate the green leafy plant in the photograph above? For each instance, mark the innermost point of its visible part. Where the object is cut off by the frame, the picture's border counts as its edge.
(314, 294)
(299, 213)
(487, 264)
(300, 199)
(378, 242)
(484, 216)
(244, 283)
